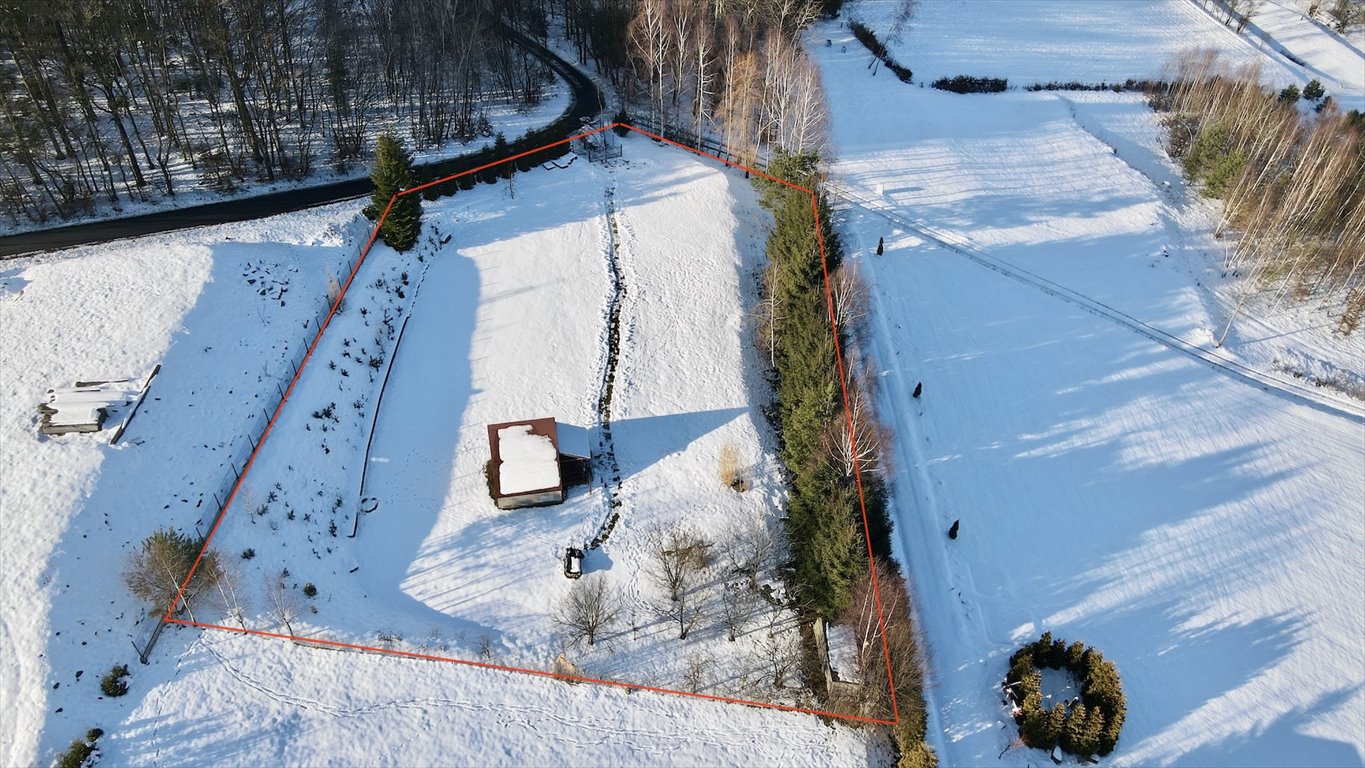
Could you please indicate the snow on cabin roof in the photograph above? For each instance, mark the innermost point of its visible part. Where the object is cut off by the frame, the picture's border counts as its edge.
(573, 441)
(529, 462)
(843, 653)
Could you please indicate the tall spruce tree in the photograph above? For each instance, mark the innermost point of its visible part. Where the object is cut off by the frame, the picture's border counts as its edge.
(392, 174)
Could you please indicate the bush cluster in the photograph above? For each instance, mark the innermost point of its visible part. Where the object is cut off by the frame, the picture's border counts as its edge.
(969, 84)
(869, 40)
(1145, 86)
(1089, 727)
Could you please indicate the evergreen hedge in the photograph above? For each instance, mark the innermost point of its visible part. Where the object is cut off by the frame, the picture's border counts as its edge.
(824, 517)
(970, 84)
(1092, 726)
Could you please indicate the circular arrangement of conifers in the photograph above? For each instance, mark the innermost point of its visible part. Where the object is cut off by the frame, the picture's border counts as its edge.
(1088, 724)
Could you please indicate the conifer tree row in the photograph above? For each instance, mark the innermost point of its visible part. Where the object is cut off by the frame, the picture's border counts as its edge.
(825, 515)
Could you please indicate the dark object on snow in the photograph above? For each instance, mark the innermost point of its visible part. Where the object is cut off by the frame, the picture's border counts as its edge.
(880, 246)
(952, 532)
(573, 562)
(919, 389)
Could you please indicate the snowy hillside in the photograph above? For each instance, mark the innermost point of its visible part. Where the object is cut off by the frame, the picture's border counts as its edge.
(1203, 530)
(499, 314)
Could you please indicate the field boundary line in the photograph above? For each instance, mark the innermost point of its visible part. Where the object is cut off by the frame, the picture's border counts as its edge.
(169, 616)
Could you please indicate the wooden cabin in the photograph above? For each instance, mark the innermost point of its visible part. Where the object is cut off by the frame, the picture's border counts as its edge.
(532, 462)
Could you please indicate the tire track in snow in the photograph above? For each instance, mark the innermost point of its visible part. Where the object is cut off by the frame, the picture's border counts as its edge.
(956, 244)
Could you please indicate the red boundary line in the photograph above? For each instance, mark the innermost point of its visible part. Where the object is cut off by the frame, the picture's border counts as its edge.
(169, 617)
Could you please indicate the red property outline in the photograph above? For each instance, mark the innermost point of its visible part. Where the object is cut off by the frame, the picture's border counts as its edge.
(170, 618)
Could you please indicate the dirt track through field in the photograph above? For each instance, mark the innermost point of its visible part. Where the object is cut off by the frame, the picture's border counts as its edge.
(955, 244)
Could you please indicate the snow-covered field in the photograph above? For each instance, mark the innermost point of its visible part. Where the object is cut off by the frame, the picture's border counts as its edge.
(507, 321)
(1044, 41)
(1207, 534)
(223, 310)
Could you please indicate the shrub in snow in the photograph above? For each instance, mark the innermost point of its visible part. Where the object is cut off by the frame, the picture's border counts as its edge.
(1089, 727)
(112, 684)
(1290, 94)
(310, 590)
(871, 43)
(1314, 90)
(82, 753)
(730, 473)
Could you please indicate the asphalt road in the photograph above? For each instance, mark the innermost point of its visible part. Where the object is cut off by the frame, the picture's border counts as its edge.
(585, 102)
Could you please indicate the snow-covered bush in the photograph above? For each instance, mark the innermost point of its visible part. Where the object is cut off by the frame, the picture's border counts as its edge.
(112, 684)
(82, 753)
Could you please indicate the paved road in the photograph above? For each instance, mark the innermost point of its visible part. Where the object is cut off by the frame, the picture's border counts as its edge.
(585, 102)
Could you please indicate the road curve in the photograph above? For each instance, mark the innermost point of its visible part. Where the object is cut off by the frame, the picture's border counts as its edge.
(585, 102)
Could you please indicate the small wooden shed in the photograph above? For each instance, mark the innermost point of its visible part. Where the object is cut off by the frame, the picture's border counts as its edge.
(838, 651)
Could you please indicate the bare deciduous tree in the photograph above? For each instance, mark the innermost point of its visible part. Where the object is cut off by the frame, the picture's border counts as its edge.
(849, 294)
(590, 607)
(750, 546)
(886, 635)
(698, 672)
(283, 603)
(684, 610)
(678, 554)
(737, 605)
(780, 648)
(864, 444)
(226, 587)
